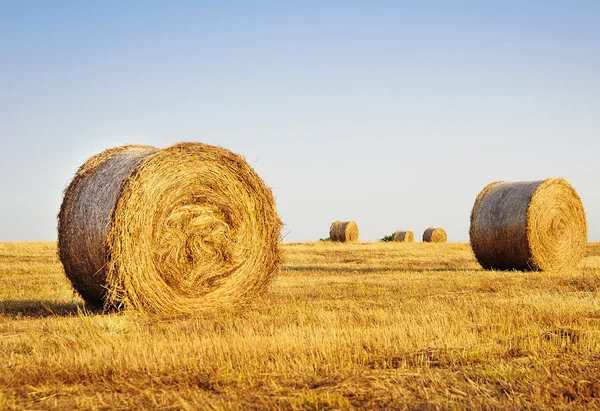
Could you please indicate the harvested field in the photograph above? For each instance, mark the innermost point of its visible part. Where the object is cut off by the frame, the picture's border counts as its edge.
(370, 325)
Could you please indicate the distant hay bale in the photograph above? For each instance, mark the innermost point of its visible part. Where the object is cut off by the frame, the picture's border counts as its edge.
(530, 225)
(343, 231)
(404, 236)
(435, 235)
(187, 229)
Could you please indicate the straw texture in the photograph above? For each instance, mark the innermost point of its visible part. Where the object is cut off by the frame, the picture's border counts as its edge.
(187, 229)
(404, 236)
(85, 216)
(531, 225)
(343, 231)
(435, 235)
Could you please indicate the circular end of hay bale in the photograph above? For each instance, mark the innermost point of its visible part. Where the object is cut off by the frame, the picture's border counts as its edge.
(556, 226)
(193, 229)
(528, 225)
(435, 235)
(404, 236)
(344, 231)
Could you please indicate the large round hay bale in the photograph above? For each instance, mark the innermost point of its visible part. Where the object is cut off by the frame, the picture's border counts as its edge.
(343, 231)
(404, 236)
(187, 229)
(530, 225)
(435, 235)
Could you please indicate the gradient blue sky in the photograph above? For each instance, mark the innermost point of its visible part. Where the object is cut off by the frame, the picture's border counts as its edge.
(394, 114)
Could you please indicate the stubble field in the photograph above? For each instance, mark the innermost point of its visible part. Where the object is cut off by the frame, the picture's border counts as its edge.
(373, 325)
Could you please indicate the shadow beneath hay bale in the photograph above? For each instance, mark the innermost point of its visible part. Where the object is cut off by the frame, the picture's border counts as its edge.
(42, 309)
(373, 270)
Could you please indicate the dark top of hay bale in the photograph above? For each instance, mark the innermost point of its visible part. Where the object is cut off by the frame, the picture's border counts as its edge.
(85, 216)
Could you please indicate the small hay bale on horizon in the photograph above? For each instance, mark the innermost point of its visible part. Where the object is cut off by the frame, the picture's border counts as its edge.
(404, 236)
(187, 229)
(528, 225)
(435, 235)
(343, 231)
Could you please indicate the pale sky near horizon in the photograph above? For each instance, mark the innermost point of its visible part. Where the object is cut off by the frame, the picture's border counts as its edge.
(390, 113)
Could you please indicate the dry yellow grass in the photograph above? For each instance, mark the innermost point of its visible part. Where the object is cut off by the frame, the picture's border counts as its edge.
(344, 326)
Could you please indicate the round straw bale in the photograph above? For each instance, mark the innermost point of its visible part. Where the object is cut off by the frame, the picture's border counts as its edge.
(404, 236)
(529, 225)
(187, 229)
(343, 231)
(435, 235)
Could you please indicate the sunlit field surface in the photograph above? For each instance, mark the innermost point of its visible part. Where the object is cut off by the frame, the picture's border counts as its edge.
(374, 325)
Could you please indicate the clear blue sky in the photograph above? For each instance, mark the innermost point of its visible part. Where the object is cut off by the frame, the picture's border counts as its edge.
(394, 114)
